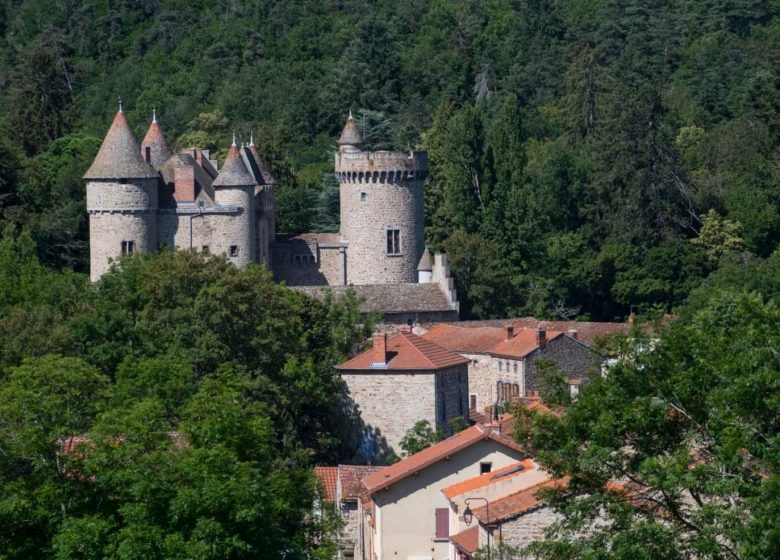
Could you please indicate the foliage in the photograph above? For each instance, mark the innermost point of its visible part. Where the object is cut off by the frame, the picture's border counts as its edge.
(673, 454)
(419, 436)
(168, 410)
(553, 383)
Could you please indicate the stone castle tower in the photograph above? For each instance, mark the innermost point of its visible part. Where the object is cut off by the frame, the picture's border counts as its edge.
(122, 199)
(382, 215)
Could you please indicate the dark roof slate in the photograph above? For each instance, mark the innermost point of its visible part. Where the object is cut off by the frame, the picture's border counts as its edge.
(350, 136)
(119, 156)
(388, 298)
(234, 172)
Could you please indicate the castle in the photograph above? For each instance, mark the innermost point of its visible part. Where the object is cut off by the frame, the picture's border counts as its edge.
(142, 197)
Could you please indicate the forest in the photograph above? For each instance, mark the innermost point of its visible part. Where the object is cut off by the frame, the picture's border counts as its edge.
(587, 159)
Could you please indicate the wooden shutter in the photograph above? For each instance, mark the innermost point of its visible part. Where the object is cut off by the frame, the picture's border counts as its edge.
(442, 523)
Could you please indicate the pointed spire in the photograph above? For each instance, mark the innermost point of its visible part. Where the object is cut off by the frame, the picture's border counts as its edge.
(120, 105)
(426, 261)
(351, 136)
(119, 156)
(251, 139)
(159, 151)
(234, 172)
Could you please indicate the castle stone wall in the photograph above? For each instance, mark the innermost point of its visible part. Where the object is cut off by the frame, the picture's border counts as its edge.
(529, 527)
(234, 229)
(301, 264)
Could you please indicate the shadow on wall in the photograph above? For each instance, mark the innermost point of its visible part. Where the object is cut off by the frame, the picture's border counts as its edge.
(367, 444)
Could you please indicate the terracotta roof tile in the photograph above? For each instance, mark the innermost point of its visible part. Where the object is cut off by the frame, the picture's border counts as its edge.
(483, 480)
(119, 156)
(521, 344)
(433, 454)
(515, 504)
(468, 540)
(408, 351)
(462, 339)
(329, 478)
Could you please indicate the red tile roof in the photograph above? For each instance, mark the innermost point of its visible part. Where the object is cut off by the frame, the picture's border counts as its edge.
(489, 478)
(515, 504)
(434, 454)
(351, 480)
(329, 478)
(587, 332)
(408, 351)
(522, 344)
(467, 541)
(472, 340)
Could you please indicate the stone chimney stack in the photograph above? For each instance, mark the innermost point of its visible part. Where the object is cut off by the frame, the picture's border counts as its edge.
(541, 337)
(573, 333)
(380, 349)
(510, 332)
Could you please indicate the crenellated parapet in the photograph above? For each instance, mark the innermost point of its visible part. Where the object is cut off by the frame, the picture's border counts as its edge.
(381, 167)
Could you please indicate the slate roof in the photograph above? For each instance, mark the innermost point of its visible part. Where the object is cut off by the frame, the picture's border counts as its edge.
(389, 298)
(234, 172)
(468, 540)
(160, 151)
(433, 454)
(266, 177)
(350, 136)
(119, 156)
(203, 180)
(407, 351)
(522, 344)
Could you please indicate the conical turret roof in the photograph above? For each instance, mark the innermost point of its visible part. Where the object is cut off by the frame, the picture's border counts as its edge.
(159, 149)
(119, 156)
(350, 136)
(426, 261)
(234, 172)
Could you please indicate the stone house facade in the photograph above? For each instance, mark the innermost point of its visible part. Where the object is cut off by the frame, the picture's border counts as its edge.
(400, 381)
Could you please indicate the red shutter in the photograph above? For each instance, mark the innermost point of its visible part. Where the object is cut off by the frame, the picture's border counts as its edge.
(442, 523)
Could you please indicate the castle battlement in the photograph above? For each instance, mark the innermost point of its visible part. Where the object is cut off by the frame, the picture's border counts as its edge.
(381, 166)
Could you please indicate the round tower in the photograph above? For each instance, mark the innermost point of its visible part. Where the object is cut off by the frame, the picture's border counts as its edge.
(122, 199)
(234, 187)
(382, 217)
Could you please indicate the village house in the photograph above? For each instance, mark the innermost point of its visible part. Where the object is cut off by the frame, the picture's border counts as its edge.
(409, 517)
(400, 381)
(502, 360)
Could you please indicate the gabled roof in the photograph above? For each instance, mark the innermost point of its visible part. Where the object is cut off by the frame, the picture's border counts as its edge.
(407, 351)
(433, 454)
(119, 156)
(517, 503)
(587, 332)
(510, 471)
(474, 340)
(522, 344)
(328, 476)
(234, 172)
(350, 136)
(159, 150)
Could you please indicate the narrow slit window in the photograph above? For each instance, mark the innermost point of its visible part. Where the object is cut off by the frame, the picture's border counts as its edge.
(393, 241)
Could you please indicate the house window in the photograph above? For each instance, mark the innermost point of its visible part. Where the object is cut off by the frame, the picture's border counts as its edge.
(393, 241)
(485, 468)
(128, 247)
(363, 196)
(515, 367)
(500, 365)
(234, 250)
(442, 523)
(472, 401)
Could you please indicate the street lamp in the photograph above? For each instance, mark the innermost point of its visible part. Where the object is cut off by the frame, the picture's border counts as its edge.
(468, 515)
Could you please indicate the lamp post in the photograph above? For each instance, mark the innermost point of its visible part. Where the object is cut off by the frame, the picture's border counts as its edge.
(468, 515)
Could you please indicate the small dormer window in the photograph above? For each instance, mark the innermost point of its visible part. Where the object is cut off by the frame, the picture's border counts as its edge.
(148, 154)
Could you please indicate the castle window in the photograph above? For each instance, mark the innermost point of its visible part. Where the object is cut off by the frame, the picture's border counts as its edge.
(234, 250)
(393, 241)
(148, 154)
(128, 247)
(363, 196)
(205, 249)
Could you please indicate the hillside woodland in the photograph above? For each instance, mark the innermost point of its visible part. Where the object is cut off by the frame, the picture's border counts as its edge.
(587, 158)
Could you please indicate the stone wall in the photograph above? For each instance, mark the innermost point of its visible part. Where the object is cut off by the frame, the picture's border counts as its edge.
(452, 393)
(299, 264)
(381, 190)
(212, 231)
(573, 358)
(528, 527)
(239, 229)
(482, 380)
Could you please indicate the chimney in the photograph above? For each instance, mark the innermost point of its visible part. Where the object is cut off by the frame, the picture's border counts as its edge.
(541, 337)
(510, 332)
(184, 183)
(380, 349)
(573, 333)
